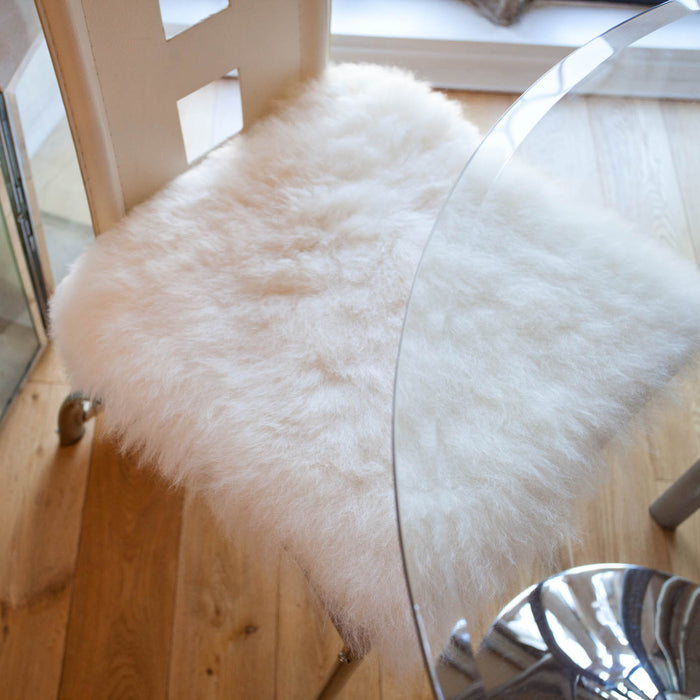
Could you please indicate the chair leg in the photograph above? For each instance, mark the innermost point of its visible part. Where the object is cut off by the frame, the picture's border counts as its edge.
(679, 501)
(72, 416)
(339, 676)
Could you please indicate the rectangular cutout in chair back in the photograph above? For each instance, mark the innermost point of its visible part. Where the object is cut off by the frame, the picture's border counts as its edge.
(179, 15)
(210, 115)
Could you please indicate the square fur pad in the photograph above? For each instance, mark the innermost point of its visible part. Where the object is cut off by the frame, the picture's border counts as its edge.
(242, 328)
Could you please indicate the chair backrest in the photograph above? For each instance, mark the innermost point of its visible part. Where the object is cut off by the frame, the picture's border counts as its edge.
(121, 80)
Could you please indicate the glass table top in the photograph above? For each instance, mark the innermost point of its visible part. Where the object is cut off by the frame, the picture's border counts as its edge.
(576, 155)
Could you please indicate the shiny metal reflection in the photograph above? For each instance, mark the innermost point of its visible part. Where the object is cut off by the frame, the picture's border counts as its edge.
(457, 670)
(609, 631)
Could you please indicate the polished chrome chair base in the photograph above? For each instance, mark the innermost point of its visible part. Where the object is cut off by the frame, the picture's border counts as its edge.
(604, 631)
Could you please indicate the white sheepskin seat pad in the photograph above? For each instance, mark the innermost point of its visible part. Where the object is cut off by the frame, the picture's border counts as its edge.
(242, 328)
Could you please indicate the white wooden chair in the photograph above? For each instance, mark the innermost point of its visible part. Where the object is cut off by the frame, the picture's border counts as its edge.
(121, 80)
(121, 100)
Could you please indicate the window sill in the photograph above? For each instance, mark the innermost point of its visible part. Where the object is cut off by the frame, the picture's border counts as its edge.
(449, 44)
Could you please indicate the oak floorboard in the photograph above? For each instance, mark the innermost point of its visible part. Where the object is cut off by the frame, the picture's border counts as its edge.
(481, 108)
(562, 148)
(674, 441)
(224, 633)
(680, 120)
(120, 626)
(615, 523)
(365, 681)
(42, 487)
(416, 686)
(48, 369)
(307, 644)
(637, 170)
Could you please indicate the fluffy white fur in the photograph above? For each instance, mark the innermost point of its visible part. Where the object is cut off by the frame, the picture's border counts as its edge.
(242, 327)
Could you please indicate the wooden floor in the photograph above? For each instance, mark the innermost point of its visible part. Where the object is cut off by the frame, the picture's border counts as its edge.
(112, 584)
